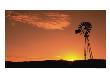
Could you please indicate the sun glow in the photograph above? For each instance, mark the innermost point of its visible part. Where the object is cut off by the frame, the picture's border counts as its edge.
(71, 57)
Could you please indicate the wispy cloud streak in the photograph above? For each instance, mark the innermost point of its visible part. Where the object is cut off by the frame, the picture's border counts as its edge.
(48, 20)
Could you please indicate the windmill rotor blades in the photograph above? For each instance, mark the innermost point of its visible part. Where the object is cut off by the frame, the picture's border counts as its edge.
(85, 28)
(77, 31)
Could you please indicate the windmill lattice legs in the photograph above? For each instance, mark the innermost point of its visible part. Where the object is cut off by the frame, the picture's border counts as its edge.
(87, 50)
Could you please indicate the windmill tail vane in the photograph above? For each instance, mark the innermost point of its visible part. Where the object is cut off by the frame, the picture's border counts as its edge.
(84, 29)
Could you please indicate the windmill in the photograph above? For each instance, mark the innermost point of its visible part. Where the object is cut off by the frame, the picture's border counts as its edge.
(84, 29)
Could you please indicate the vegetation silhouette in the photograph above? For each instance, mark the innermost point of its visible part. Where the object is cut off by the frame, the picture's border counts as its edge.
(90, 63)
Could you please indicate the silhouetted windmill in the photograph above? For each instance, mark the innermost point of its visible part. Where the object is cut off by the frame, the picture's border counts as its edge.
(84, 29)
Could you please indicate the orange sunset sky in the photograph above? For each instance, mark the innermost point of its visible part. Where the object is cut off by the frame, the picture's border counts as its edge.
(36, 35)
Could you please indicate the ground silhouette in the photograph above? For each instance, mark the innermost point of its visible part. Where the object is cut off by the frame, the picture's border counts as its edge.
(91, 63)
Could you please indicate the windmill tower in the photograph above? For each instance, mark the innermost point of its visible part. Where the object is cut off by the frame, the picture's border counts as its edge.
(84, 29)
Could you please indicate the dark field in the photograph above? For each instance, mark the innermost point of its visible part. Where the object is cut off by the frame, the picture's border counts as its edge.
(92, 63)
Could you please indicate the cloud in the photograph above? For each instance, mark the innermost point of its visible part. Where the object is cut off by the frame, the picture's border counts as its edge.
(46, 20)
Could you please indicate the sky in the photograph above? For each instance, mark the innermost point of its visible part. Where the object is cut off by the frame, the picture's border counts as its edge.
(37, 35)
